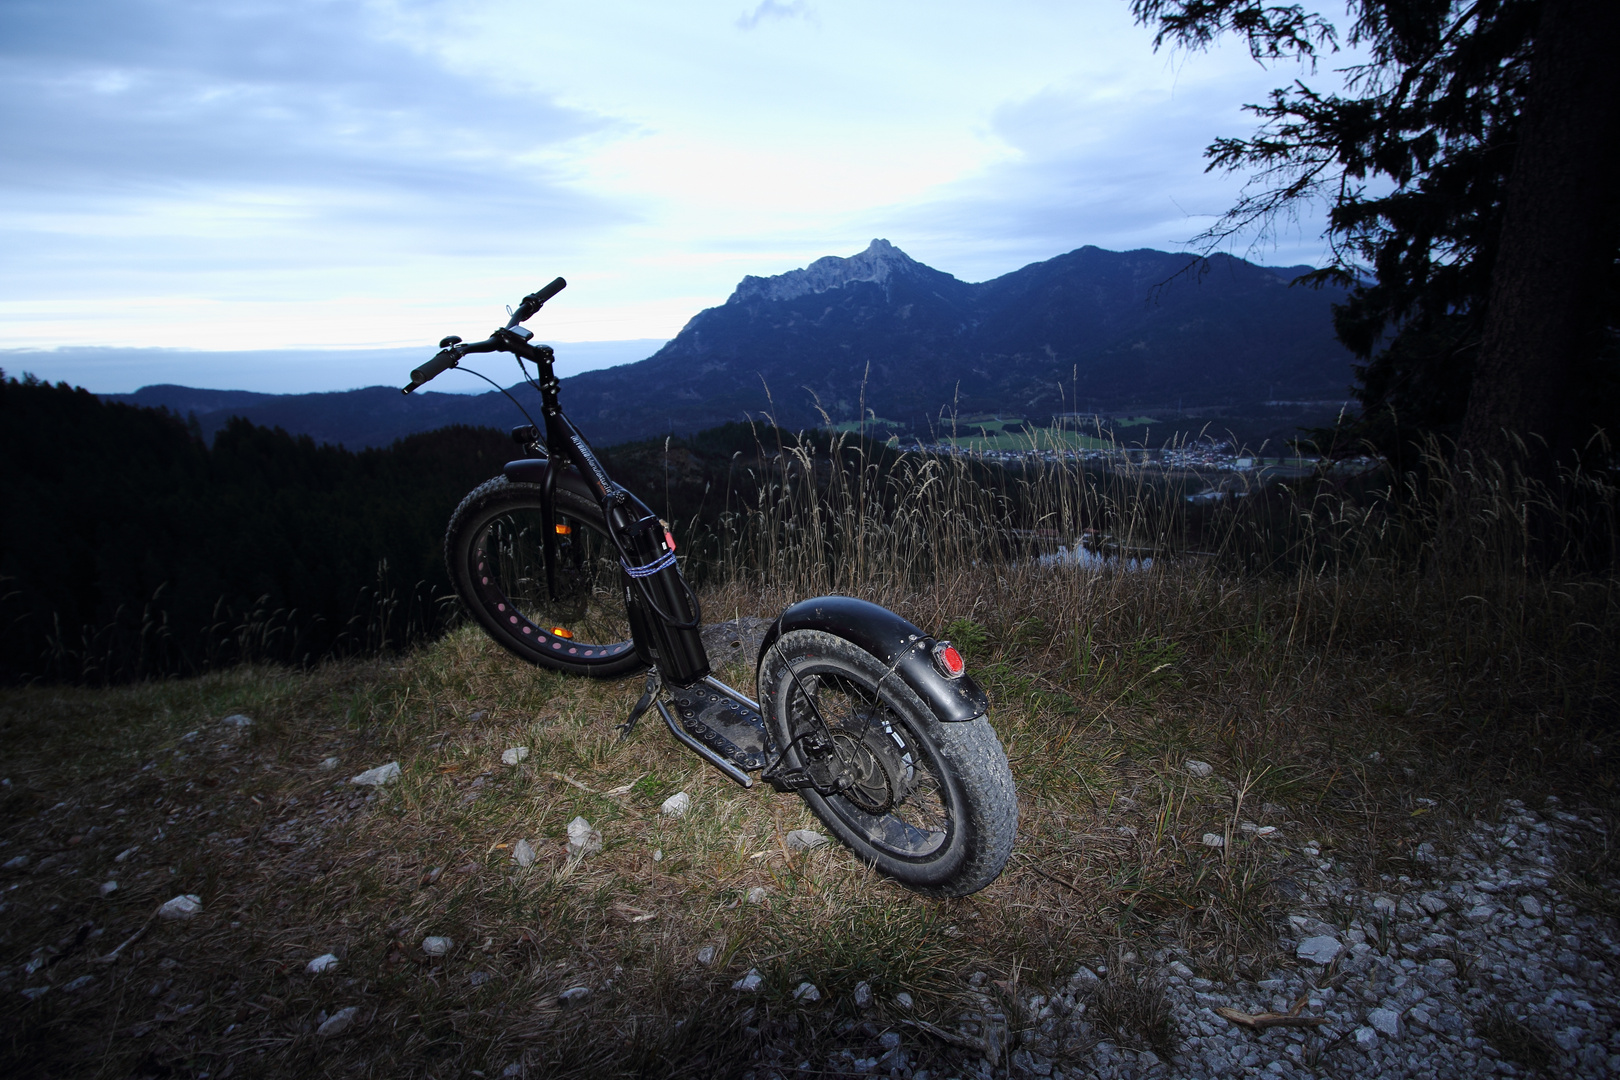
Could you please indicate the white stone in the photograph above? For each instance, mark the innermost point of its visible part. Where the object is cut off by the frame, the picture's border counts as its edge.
(237, 720)
(573, 994)
(863, 995)
(1200, 769)
(1431, 903)
(514, 755)
(1322, 949)
(108, 888)
(523, 853)
(1530, 906)
(749, 982)
(1266, 830)
(1177, 968)
(1214, 839)
(338, 1022)
(1479, 913)
(437, 946)
(806, 991)
(706, 955)
(903, 1000)
(126, 853)
(382, 774)
(804, 840)
(1384, 905)
(328, 764)
(323, 962)
(676, 805)
(181, 907)
(1366, 1038)
(1385, 1022)
(16, 862)
(757, 894)
(582, 839)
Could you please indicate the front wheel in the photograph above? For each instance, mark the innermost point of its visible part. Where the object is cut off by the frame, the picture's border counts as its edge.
(570, 616)
(932, 804)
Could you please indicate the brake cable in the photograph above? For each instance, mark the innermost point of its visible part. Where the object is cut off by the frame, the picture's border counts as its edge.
(502, 389)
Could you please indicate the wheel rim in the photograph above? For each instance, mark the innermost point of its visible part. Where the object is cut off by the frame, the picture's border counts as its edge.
(899, 802)
(584, 620)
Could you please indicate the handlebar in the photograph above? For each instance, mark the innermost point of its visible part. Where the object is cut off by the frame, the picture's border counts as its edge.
(452, 350)
(444, 361)
(535, 301)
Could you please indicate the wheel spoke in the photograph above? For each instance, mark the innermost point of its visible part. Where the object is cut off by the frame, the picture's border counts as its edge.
(897, 802)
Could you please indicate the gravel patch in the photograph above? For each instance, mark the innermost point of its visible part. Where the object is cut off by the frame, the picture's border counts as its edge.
(1479, 967)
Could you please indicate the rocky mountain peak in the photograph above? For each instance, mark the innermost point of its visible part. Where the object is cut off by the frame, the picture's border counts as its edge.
(878, 263)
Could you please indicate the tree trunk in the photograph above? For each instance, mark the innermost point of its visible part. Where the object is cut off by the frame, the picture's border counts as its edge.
(1544, 315)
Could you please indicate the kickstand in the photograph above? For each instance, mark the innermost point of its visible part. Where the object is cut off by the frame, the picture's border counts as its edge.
(655, 684)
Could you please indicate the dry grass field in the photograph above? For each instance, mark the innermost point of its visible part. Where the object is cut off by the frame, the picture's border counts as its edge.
(1357, 705)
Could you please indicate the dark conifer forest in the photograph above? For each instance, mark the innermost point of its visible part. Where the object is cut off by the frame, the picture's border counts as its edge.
(129, 548)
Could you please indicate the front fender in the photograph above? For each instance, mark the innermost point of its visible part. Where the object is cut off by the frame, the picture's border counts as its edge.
(901, 647)
(527, 470)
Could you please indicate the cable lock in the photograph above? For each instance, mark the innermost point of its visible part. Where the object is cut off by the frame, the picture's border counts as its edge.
(667, 559)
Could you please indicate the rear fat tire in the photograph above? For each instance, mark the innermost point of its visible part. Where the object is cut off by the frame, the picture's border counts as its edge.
(517, 613)
(959, 781)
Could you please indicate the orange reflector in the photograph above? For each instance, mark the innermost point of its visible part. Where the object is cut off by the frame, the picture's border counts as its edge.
(563, 530)
(557, 631)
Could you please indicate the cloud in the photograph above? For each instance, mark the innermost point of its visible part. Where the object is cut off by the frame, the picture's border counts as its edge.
(1116, 169)
(150, 135)
(772, 9)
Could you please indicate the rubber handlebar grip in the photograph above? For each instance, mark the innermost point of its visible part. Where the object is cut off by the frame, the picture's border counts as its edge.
(549, 291)
(443, 361)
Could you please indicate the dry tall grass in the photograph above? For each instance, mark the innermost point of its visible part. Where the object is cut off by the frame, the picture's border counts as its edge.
(1364, 671)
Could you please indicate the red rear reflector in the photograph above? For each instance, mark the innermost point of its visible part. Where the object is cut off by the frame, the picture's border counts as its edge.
(948, 660)
(557, 631)
(669, 538)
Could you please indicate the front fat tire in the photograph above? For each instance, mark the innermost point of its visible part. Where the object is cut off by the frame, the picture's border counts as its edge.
(614, 656)
(974, 783)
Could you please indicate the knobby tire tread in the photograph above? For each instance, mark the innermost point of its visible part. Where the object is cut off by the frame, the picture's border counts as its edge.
(573, 499)
(970, 750)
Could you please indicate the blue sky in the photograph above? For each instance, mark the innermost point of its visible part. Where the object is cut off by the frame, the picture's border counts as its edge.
(228, 175)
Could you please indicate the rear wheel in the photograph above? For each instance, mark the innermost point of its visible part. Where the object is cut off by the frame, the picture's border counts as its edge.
(494, 551)
(932, 804)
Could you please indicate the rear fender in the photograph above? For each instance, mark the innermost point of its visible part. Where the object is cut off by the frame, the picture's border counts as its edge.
(902, 648)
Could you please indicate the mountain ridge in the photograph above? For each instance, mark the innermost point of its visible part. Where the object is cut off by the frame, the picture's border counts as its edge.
(1088, 330)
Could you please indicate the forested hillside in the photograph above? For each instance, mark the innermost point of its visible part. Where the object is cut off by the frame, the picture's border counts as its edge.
(128, 547)
(131, 547)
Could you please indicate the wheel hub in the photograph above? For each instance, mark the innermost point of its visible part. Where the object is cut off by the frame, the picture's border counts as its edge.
(880, 778)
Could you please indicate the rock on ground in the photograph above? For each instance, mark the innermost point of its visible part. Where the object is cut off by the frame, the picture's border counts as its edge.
(582, 839)
(181, 907)
(382, 774)
(1428, 969)
(338, 1022)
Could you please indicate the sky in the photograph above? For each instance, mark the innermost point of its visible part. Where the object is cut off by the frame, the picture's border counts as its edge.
(347, 181)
